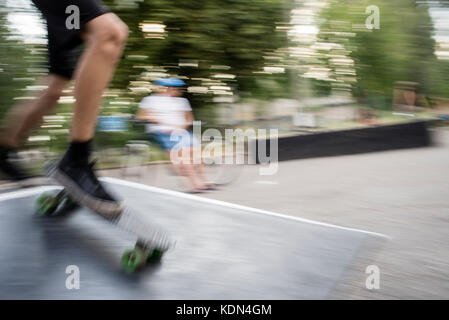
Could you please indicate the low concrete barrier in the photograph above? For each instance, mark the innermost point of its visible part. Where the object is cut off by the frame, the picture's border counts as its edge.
(333, 143)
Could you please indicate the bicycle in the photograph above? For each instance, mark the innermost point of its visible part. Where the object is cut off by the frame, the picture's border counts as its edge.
(219, 167)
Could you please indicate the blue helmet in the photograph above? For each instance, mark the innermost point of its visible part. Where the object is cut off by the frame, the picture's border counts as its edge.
(169, 82)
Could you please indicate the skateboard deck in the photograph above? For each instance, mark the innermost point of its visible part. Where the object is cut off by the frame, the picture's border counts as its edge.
(152, 241)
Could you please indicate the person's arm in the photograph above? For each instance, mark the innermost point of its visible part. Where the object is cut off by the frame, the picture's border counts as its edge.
(188, 115)
(189, 119)
(144, 113)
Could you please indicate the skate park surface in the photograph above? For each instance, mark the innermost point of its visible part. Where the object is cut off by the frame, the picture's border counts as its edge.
(223, 250)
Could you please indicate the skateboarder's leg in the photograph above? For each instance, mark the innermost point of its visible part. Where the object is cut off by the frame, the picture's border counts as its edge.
(105, 36)
(25, 117)
(22, 119)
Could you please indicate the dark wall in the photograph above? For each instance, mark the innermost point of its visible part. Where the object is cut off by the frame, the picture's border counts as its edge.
(379, 138)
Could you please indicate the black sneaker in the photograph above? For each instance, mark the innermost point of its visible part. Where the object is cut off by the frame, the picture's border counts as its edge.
(82, 185)
(10, 169)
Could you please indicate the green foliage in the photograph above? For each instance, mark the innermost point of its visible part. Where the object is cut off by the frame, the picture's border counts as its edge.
(401, 50)
(15, 62)
(237, 34)
(233, 33)
(239, 38)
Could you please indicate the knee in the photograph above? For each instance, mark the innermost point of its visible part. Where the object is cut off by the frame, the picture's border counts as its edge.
(111, 40)
(53, 93)
(120, 33)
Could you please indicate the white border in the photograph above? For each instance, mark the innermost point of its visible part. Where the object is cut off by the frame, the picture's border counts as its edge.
(37, 190)
(26, 192)
(233, 205)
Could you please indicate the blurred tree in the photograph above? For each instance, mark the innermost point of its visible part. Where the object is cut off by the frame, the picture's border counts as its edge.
(401, 50)
(193, 39)
(440, 79)
(235, 34)
(15, 61)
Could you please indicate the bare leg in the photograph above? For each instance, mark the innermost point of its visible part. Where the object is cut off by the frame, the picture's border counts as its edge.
(23, 118)
(187, 169)
(198, 167)
(106, 36)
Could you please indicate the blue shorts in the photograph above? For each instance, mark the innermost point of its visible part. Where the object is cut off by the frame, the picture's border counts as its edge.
(177, 141)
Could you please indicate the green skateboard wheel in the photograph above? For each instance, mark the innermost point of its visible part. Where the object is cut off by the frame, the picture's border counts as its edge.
(132, 260)
(47, 204)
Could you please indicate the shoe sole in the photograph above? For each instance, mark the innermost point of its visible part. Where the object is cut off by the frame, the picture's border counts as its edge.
(107, 209)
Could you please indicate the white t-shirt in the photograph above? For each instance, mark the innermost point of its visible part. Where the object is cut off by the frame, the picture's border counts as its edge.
(169, 111)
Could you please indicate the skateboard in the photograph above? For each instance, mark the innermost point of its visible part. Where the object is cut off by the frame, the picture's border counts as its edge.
(150, 246)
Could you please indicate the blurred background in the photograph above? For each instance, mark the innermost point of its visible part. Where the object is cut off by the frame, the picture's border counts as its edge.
(298, 66)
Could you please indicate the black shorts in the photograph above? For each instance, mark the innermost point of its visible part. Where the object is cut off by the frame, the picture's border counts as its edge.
(64, 44)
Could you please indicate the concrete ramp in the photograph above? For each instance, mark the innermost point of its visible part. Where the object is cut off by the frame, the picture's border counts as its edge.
(223, 251)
